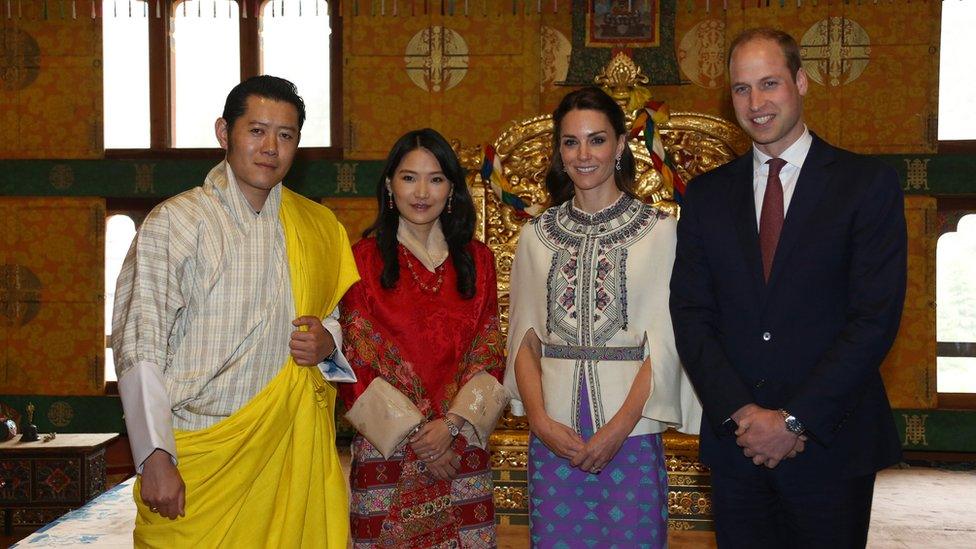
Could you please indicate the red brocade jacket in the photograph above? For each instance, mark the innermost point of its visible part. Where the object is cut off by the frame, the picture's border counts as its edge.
(422, 337)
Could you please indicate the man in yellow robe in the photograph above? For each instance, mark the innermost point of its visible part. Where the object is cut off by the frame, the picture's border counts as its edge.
(225, 306)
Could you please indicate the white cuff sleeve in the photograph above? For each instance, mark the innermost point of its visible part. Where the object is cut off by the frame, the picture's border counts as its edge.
(518, 409)
(148, 416)
(336, 368)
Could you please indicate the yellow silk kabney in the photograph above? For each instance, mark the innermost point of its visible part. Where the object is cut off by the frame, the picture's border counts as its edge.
(269, 475)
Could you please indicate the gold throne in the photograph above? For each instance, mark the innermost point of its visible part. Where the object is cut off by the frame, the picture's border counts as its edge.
(697, 143)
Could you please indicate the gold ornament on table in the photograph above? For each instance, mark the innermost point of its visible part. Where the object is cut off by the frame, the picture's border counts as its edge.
(28, 428)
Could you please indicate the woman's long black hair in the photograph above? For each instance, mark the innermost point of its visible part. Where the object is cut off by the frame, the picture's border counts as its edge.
(458, 224)
(591, 98)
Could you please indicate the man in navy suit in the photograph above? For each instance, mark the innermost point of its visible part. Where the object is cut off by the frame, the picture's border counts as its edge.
(786, 295)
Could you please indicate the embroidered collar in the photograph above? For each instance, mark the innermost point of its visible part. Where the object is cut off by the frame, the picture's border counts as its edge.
(622, 204)
(432, 253)
(620, 223)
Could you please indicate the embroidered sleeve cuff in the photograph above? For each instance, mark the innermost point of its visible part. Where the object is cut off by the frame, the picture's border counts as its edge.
(480, 402)
(148, 416)
(384, 416)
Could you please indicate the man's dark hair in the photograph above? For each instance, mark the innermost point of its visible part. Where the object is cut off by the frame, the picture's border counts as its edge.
(267, 86)
(791, 50)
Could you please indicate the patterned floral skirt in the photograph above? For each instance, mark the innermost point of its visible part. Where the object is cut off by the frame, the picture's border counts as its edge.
(395, 502)
(625, 505)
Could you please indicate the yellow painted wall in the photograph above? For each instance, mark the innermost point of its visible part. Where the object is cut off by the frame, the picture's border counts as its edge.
(909, 369)
(355, 214)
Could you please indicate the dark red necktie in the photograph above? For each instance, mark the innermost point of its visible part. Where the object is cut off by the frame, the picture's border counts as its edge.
(771, 217)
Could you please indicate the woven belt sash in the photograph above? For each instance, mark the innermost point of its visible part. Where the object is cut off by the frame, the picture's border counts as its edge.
(575, 352)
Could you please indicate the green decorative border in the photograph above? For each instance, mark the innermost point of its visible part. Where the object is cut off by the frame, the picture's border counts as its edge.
(67, 414)
(922, 174)
(937, 430)
(925, 174)
(165, 178)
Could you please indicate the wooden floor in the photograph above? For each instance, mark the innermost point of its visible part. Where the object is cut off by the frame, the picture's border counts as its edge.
(509, 537)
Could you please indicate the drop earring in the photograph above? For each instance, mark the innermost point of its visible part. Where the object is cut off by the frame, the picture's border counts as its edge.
(389, 199)
(618, 163)
(450, 199)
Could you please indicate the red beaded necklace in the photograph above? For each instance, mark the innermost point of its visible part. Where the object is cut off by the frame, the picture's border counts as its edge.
(427, 288)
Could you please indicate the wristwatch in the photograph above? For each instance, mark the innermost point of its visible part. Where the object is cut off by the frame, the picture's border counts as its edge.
(451, 427)
(793, 425)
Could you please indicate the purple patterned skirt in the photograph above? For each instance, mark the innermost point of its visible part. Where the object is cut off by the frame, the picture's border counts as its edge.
(625, 505)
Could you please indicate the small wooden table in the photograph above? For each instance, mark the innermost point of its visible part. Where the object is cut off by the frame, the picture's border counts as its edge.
(44, 480)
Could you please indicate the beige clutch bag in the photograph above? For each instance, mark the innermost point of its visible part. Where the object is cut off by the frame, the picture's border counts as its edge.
(384, 416)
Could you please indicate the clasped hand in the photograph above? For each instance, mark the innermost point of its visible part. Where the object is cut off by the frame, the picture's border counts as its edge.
(432, 444)
(590, 456)
(310, 347)
(763, 436)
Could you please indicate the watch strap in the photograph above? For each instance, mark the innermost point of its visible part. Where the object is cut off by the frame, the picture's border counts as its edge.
(793, 424)
(452, 427)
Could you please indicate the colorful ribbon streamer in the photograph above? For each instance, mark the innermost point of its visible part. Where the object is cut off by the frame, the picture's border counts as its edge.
(648, 119)
(492, 173)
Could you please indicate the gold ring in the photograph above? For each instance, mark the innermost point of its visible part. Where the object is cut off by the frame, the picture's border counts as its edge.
(154, 509)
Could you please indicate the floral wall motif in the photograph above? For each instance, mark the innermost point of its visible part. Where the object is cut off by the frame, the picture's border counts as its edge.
(498, 75)
(873, 89)
(52, 293)
(50, 85)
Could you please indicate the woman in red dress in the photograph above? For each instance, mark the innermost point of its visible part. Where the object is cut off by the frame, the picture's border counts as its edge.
(422, 335)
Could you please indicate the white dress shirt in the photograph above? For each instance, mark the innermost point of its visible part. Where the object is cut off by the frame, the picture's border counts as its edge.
(794, 156)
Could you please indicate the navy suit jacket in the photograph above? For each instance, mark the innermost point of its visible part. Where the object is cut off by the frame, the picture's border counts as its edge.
(812, 339)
